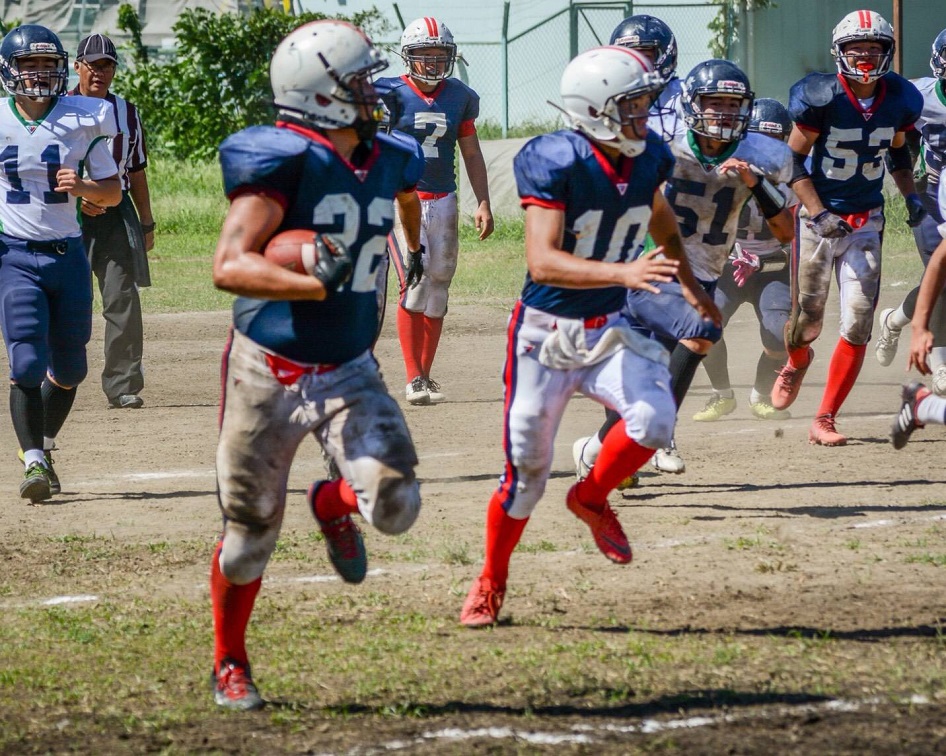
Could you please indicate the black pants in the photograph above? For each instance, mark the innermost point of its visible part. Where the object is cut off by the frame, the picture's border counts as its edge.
(112, 262)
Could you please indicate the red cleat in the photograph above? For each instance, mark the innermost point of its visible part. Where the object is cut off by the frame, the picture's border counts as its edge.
(788, 383)
(482, 605)
(824, 433)
(605, 527)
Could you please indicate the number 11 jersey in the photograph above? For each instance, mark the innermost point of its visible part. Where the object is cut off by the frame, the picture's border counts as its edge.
(72, 134)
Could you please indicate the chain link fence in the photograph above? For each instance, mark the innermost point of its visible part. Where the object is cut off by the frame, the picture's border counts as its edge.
(516, 80)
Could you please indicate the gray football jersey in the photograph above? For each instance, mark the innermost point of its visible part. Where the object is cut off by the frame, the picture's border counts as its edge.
(707, 204)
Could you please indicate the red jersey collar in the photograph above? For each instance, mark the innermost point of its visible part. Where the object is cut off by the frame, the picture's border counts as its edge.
(428, 96)
(879, 93)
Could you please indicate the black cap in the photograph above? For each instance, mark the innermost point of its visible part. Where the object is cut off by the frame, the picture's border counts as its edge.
(97, 47)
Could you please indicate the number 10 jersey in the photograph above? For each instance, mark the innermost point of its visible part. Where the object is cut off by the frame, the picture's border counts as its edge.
(73, 133)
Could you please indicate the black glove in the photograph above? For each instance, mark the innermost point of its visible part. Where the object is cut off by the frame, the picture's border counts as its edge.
(333, 262)
(829, 225)
(915, 210)
(415, 269)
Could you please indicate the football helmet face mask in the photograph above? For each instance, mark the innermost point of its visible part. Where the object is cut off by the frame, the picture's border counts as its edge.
(321, 74)
(938, 58)
(771, 118)
(863, 26)
(716, 78)
(429, 50)
(607, 89)
(27, 41)
(644, 32)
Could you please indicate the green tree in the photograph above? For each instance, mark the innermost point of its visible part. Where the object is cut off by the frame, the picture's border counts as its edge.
(217, 80)
(725, 24)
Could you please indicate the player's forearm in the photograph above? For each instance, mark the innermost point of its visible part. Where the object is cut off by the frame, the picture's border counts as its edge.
(409, 212)
(903, 179)
(930, 287)
(782, 226)
(104, 193)
(475, 168)
(141, 196)
(805, 191)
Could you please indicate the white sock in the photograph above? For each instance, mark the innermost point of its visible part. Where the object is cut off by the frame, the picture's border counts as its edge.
(756, 398)
(33, 455)
(591, 450)
(897, 319)
(49, 444)
(931, 409)
(937, 357)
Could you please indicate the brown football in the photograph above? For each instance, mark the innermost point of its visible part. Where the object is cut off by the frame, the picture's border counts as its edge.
(293, 250)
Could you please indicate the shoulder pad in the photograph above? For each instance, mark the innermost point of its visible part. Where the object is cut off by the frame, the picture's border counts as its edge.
(266, 141)
(816, 89)
(400, 141)
(388, 84)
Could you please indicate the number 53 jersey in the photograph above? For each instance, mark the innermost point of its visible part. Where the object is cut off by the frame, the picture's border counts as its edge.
(847, 158)
(73, 133)
(708, 203)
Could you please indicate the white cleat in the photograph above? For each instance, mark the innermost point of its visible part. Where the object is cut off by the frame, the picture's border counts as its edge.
(938, 383)
(886, 348)
(582, 468)
(669, 460)
(416, 392)
(434, 392)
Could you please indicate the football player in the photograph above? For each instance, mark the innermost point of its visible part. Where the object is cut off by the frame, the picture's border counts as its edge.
(591, 193)
(438, 111)
(309, 171)
(931, 128)
(757, 272)
(55, 151)
(719, 166)
(845, 124)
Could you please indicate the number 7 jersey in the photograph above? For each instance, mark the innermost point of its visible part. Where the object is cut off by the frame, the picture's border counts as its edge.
(72, 134)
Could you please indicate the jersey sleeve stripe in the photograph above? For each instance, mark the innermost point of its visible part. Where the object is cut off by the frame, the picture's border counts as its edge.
(272, 194)
(538, 202)
(467, 128)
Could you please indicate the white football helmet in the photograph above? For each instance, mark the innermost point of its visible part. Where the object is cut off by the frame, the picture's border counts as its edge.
(860, 26)
(423, 33)
(595, 83)
(321, 73)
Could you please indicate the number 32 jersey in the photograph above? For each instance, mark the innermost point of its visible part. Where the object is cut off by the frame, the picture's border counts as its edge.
(847, 158)
(321, 191)
(707, 204)
(72, 134)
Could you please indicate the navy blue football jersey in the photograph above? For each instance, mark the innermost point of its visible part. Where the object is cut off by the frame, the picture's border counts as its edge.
(607, 210)
(323, 192)
(436, 120)
(847, 158)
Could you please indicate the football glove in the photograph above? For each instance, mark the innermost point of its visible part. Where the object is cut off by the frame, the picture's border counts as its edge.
(333, 267)
(744, 264)
(415, 269)
(915, 210)
(829, 225)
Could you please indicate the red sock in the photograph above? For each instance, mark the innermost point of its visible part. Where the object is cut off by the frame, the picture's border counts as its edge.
(433, 327)
(799, 357)
(502, 534)
(619, 457)
(843, 370)
(232, 607)
(335, 499)
(410, 332)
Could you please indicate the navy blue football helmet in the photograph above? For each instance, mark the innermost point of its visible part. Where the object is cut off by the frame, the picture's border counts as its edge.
(644, 32)
(26, 41)
(938, 59)
(771, 118)
(722, 78)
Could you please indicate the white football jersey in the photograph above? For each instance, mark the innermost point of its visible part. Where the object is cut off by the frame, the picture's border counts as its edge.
(707, 204)
(74, 134)
(932, 124)
(669, 98)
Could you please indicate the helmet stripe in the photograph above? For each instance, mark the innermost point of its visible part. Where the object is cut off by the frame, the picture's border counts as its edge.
(431, 26)
(864, 17)
(643, 60)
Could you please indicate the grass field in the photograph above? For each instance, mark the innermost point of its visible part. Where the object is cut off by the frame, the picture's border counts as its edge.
(756, 618)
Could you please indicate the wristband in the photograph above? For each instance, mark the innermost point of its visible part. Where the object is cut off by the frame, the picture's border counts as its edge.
(147, 228)
(770, 199)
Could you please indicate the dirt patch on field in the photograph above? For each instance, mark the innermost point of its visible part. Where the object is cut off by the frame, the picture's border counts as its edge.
(763, 537)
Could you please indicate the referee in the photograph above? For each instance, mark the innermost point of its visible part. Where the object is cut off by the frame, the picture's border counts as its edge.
(119, 238)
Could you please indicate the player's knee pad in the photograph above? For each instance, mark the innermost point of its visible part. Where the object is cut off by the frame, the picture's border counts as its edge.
(772, 331)
(27, 364)
(245, 551)
(650, 423)
(437, 296)
(396, 505)
(70, 372)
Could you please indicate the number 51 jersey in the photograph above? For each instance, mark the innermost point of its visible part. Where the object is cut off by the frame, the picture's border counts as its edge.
(708, 204)
(847, 158)
(72, 134)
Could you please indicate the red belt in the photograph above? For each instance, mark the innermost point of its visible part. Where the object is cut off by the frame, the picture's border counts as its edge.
(431, 195)
(288, 372)
(857, 220)
(599, 321)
